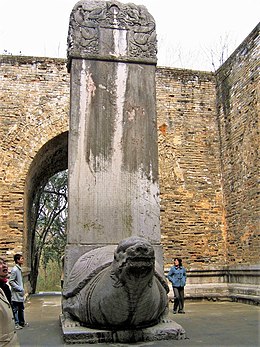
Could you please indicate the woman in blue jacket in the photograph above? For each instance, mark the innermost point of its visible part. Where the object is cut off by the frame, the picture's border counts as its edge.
(177, 276)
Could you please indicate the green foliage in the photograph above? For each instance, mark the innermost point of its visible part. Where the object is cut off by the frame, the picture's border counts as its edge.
(49, 278)
(50, 227)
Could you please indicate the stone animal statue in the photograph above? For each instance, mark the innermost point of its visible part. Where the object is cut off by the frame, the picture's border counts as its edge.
(116, 289)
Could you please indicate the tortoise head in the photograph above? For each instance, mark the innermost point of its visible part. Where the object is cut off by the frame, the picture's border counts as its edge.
(134, 260)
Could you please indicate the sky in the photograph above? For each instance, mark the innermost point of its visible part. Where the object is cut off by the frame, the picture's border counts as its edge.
(191, 34)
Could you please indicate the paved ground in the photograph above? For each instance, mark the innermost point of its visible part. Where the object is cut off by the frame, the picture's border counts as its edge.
(218, 324)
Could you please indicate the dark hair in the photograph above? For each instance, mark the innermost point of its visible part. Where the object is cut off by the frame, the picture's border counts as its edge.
(179, 260)
(17, 257)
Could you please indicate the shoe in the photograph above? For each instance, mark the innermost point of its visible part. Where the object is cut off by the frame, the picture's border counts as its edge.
(25, 325)
(181, 311)
(174, 312)
(17, 327)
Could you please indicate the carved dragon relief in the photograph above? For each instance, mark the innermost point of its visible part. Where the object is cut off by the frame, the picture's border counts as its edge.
(88, 17)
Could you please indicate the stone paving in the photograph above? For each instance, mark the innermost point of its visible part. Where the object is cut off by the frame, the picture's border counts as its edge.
(207, 323)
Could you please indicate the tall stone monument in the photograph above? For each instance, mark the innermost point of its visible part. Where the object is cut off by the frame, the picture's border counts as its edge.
(113, 160)
(113, 259)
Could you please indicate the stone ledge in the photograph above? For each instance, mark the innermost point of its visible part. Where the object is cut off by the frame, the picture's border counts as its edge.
(237, 283)
(240, 288)
(249, 293)
(207, 291)
(249, 299)
(169, 330)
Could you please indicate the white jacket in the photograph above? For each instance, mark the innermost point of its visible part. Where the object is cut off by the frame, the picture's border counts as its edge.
(8, 336)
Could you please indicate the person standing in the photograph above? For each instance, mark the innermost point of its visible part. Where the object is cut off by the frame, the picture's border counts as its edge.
(17, 291)
(3, 279)
(8, 336)
(177, 276)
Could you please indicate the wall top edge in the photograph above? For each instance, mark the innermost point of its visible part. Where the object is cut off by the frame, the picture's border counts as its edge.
(243, 47)
(23, 59)
(246, 268)
(11, 59)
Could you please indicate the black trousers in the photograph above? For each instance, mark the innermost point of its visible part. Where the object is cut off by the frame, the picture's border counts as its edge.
(178, 298)
(18, 310)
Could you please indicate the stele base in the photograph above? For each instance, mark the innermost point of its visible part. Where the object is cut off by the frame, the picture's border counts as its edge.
(168, 330)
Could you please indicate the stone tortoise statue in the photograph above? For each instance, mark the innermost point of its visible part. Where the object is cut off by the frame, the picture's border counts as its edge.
(116, 289)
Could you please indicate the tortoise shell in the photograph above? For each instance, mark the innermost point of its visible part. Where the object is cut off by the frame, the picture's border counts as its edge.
(86, 267)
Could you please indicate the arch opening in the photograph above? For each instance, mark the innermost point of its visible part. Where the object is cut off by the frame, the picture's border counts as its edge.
(50, 159)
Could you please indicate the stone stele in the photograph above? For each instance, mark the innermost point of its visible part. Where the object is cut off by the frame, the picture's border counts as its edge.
(113, 174)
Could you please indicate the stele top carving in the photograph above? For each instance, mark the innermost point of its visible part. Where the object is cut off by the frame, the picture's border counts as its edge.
(109, 30)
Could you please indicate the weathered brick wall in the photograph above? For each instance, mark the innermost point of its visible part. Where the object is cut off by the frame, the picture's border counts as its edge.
(238, 113)
(198, 144)
(34, 108)
(189, 159)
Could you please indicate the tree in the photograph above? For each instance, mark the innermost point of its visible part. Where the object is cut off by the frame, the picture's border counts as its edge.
(219, 52)
(50, 223)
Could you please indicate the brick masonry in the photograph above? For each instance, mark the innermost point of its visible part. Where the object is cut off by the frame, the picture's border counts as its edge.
(190, 178)
(238, 116)
(207, 140)
(34, 108)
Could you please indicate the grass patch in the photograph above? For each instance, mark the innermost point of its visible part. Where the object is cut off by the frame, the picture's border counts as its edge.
(49, 278)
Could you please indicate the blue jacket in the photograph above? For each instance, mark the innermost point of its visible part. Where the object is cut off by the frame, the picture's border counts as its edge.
(177, 276)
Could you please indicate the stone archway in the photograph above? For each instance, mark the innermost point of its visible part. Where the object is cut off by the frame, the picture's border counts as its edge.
(50, 159)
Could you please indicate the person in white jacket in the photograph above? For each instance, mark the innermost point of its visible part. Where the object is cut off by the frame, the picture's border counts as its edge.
(8, 336)
(17, 290)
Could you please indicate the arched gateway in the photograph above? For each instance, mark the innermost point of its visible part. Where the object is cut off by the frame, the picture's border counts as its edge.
(49, 160)
(34, 132)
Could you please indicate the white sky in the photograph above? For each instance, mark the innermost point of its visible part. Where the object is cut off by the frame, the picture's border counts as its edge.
(187, 30)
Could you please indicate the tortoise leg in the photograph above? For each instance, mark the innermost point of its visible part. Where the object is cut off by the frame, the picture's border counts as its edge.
(69, 322)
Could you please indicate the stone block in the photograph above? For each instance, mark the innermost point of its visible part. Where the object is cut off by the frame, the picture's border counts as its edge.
(168, 330)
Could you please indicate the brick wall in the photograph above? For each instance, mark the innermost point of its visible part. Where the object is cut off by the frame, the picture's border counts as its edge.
(238, 114)
(189, 159)
(207, 149)
(34, 108)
